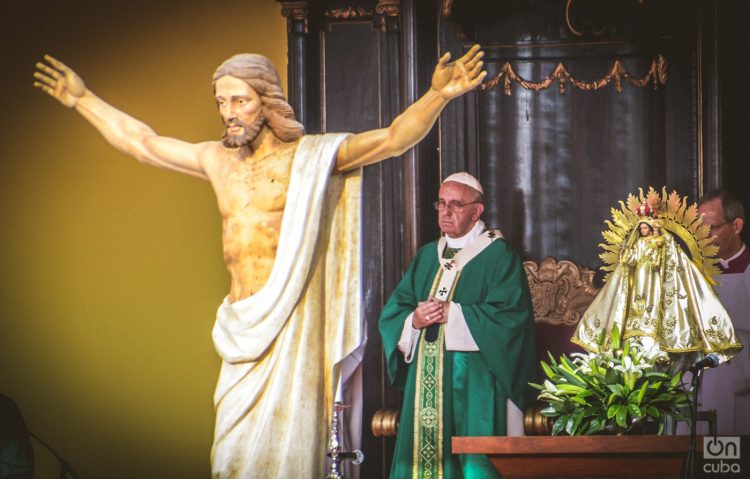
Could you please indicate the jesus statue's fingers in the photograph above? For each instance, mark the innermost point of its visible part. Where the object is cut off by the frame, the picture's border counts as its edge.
(56, 63)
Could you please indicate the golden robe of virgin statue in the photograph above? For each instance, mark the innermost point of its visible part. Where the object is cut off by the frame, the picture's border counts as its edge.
(659, 289)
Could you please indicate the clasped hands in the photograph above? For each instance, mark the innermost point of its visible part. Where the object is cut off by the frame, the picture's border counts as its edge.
(432, 311)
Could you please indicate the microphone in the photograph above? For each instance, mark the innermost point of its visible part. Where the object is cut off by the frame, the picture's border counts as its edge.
(709, 361)
(356, 456)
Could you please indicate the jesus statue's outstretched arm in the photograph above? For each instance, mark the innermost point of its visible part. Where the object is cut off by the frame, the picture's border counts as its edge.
(448, 81)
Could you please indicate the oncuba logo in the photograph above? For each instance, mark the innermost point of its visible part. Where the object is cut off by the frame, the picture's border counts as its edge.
(721, 454)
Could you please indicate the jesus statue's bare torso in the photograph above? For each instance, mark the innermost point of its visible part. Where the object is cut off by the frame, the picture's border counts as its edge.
(251, 193)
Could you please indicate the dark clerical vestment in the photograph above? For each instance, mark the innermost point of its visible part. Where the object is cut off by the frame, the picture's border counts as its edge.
(464, 392)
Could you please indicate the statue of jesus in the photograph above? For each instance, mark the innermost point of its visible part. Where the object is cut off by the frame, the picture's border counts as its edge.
(290, 209)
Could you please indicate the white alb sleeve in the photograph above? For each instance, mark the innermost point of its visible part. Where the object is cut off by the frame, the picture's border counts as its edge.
(457, 334)
(407, 344)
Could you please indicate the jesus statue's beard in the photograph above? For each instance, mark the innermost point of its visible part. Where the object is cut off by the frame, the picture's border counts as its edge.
(249, 132)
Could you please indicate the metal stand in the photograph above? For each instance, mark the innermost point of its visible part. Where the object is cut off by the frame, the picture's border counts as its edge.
(334, 446)
(65, 468)
(689, 470)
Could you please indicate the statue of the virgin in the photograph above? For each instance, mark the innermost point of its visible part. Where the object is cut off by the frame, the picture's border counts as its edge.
(659, 287)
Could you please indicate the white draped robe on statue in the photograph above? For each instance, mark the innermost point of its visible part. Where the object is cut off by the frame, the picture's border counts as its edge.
(282, 348)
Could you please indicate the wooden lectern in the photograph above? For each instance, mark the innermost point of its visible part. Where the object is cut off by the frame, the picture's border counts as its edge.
(639, 456)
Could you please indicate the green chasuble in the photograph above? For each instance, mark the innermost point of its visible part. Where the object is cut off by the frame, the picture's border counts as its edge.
(493, 293)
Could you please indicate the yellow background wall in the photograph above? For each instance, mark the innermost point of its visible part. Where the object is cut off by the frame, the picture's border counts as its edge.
(112, 270)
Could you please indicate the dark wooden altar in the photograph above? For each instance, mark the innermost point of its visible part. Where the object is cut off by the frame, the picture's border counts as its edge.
(581, 456)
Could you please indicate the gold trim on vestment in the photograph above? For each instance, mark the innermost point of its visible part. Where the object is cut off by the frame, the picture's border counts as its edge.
(428, 455)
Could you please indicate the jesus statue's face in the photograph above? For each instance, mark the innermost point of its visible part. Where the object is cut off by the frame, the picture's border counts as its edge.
(241, 111)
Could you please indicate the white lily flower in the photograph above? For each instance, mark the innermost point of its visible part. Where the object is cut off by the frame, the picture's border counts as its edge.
(653, 353)
(582, 362)
(545, 396)
(629, 367)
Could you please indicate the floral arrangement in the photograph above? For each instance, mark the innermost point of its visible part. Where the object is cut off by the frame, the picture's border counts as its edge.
(614, 391)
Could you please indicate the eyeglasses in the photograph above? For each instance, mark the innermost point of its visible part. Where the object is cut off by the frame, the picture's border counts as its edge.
(716, 227)
(453, 206)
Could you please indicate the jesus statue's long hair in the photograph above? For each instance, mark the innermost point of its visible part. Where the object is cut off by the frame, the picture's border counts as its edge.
(258, 72)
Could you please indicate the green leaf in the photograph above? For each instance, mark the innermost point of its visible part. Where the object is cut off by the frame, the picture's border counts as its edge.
(663, 398)
(617, 389)
(612, 377)
(568, 370)
(595, 426)
(592, 411)
(600, 339)
(585, 393)
(615, 333)
(571, 388)
(629, 383)
(583, 426)
(569, 424)
(612, 411)
(575, 429)
(622, 415)
(635, 411)
(550, 398)
(576, 399)
(559, 425)
(675, 380)
(655, 385)
(547, 370)
(642, 392)
(572, 378)
(552, 359)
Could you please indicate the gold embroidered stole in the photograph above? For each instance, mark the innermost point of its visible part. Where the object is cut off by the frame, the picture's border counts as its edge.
(428, 395)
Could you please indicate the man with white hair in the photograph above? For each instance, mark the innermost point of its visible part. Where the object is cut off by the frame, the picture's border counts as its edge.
(458, 335)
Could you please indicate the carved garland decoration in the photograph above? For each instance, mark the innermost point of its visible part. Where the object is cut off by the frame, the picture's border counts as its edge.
(656, 75)
(391, 8)
(383, 10)
(348, 13)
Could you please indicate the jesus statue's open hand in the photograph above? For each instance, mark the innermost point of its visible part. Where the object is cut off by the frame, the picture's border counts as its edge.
(456, 78)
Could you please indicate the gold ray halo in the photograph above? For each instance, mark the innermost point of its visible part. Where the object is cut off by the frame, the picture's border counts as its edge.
(677, 217)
